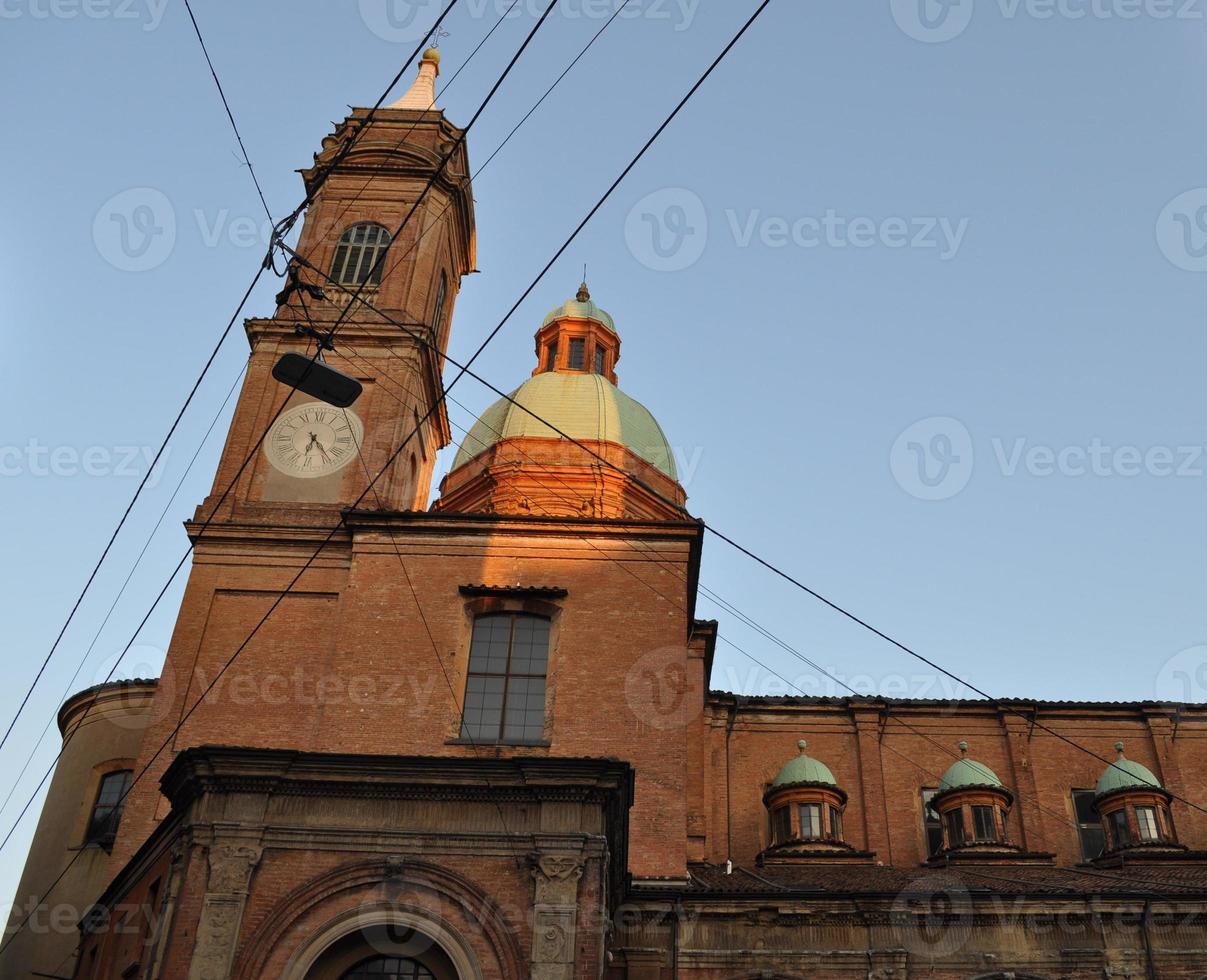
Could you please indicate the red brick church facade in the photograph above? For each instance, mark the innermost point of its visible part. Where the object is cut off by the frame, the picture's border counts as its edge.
(479, 740)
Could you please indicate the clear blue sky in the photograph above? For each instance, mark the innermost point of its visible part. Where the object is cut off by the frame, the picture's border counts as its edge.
(919, 301)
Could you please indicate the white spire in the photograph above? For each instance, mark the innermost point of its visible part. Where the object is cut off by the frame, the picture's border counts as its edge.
(422, 93)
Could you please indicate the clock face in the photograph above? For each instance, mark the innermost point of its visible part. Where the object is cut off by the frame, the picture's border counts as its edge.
(313, 440)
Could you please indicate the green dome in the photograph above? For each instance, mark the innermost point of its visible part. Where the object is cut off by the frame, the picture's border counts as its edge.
(967, 772)
(584, 406)
(803, 769)
(583, 309)
(1123, 773)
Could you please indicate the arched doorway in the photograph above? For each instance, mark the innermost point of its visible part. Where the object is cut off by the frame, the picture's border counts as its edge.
(389, 968)
(384, 952)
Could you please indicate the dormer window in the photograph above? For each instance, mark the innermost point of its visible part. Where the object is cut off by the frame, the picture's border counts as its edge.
(1146, 823)
(1134, 809)
(599, 359)
(1121, 834)
(805, 805)
(984, 827)
(781, 825)
(810, 821)
(360, 255)
(578, 354)
(955, 827)
(973, 808)
(551, 358)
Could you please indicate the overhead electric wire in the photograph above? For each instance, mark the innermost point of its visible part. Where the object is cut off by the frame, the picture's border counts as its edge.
(463, 730)
(283, 226)
(226, 105)
(121, 591)
(375, 271)
(1096, 872)
(726, 605)
(129, 507)
(641, 153)
(378, 477)
(251, 454)
(611, 465)
(431, 106)
(833, 605)
(281, 229)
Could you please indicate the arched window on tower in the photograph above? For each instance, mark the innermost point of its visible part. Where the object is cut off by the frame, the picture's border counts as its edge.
(360, 255)
(438, 310)
(505, 689)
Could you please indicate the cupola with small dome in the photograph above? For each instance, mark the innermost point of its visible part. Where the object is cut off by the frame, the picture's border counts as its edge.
(1134, 809)
(568, 441)
(805, 807)
(974, 812)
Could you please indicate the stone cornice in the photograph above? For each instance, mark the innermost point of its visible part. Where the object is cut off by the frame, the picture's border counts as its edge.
(210, 769)
(442, 522)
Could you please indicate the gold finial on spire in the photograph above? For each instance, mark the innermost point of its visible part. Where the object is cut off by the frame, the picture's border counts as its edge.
(584, 294)
(422, 93)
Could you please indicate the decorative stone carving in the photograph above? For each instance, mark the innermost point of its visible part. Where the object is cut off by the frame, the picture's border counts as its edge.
(231, 866)
(549, 943)
(557, 877)
(555, 912)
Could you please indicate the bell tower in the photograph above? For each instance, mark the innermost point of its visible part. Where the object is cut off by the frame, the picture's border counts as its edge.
(387, 236)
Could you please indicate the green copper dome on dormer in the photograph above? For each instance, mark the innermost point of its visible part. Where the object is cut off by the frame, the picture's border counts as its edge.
(1123, 773)
(803, 769)
(581, 307)
(967, 772)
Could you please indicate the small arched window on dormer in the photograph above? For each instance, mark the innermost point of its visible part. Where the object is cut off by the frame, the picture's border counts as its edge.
(360, 255)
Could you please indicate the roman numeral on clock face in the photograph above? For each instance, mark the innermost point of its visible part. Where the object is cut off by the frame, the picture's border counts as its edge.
(313, 440)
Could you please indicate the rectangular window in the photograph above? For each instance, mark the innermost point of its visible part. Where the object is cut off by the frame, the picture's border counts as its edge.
(107, 811)
(1089, 827)
(1120, 833)
(781, 825)
(505, 690)
(599, 360)
(578, 355)
(551, 360)
(1146, 823)
(810, 821)
(931, 825)
(835, 823)
(955, 827)
(983, 826)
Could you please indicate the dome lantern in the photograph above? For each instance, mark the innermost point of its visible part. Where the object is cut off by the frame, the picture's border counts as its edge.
(568, 441)
(578, 337)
